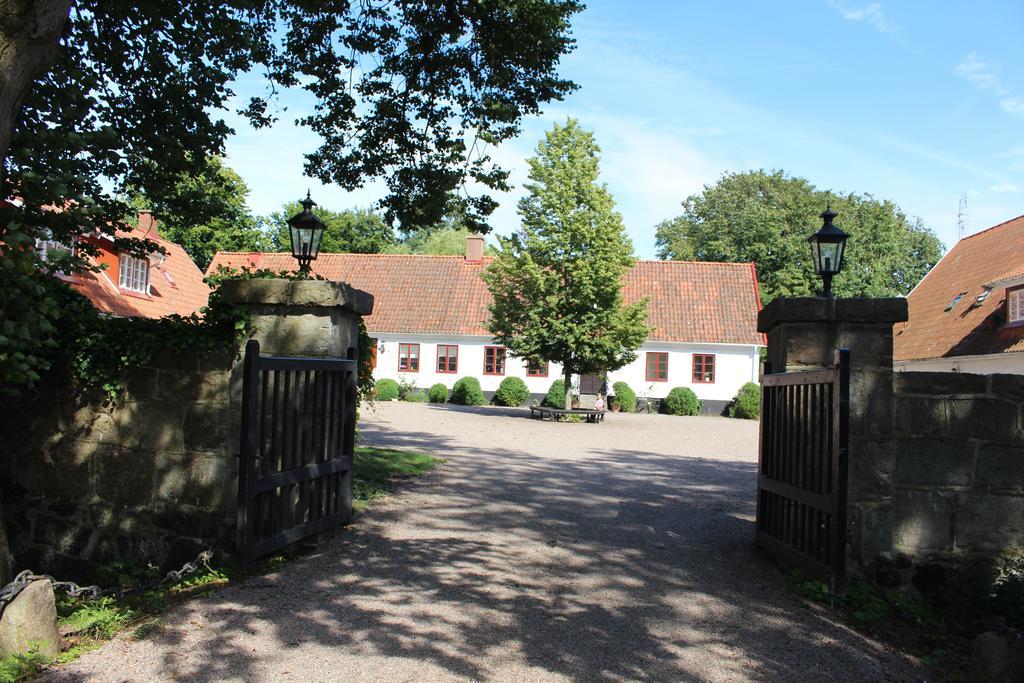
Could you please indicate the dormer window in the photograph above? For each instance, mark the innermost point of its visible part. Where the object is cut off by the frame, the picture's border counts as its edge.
(134, 275)
(1015, 305)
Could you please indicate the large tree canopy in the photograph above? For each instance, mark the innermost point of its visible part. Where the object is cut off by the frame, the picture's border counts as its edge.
(767, 217)
(111, 98)
(408, 91)
(206, 213)
(359, 231)
(557, 283)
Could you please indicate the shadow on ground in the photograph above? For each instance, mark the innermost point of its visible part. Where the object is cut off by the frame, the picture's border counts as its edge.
(620, 565)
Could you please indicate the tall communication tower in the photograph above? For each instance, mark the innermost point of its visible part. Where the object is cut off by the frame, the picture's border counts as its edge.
(963, 219)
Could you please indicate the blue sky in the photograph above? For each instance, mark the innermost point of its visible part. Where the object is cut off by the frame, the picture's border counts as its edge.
(917, 102)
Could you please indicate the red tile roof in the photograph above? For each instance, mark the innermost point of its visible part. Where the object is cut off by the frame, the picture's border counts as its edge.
(176, 284)
(689, 301)
(968, 328)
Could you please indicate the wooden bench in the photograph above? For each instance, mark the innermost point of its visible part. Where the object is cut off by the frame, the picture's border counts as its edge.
(543, 412)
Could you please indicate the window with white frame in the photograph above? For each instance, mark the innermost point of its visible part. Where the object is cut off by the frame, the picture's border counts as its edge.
(1015, 305)
(134, 275)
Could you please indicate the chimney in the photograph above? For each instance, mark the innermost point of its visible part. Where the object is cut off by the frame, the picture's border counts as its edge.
(474, 248)
(147, 223)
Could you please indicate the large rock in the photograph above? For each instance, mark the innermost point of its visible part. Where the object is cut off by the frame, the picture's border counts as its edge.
(29, 622)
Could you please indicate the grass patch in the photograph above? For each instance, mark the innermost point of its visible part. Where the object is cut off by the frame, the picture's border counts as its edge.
(378, 470)
(21, 667)
(95, 618)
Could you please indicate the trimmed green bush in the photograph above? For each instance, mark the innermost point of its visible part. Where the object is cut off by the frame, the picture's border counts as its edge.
(415, 397)
(747, 404)
(467, 392)
(682, 401)
(625, 397)
(511, 392)
(556, 395)
(438, 393)
(387, 389)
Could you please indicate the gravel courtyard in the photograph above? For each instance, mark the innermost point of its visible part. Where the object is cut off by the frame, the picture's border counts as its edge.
(538, 551)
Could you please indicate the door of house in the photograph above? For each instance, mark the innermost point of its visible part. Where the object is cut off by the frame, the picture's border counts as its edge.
(590, 387)
(591, 384)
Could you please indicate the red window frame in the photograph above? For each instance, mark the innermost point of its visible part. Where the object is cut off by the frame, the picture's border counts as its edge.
(660, 367)
(703, 365)
(536, 371)
(405, 354)
(1015, 292)
(373, 353)
(491, 356)
(451, 363)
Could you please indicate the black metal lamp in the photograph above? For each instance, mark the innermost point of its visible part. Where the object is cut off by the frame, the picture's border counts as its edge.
(306, 232)
(828, 246)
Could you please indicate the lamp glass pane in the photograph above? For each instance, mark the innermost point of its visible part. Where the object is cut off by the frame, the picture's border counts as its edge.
(301, 241)
(315, 238)
(828, 257)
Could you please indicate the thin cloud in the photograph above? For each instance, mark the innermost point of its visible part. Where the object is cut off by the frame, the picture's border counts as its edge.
(872, 14)
(985, 77)
(980, 73)
(1004, 187)
(1012, 105)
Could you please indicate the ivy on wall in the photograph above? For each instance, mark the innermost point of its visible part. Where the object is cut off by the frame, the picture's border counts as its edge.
(93, 350)
(89, 351)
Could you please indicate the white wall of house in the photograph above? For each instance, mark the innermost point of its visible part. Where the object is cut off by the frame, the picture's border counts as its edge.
(470, 362)
(734, 366)
(995, 363)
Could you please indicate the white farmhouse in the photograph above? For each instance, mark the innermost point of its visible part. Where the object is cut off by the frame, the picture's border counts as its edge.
(429, 322)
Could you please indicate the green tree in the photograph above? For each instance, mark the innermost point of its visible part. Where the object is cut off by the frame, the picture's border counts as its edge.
(102, 99)
(218, 218)
(767, 217)
(357, 231)
(440, 242)
(445, 238)
(557, 283)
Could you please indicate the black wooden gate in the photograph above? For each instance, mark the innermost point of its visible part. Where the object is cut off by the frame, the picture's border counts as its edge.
(801, 498)
(298, 436)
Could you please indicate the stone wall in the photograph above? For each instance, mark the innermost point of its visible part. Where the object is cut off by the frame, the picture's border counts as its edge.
(956, 478)
(147, 479)
(936, 460)
(153, 477)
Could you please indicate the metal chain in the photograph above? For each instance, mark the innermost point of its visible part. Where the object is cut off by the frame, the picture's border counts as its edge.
(23, 579)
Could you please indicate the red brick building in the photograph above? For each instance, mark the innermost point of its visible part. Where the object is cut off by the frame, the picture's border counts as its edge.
(967, 314)
(131, 287)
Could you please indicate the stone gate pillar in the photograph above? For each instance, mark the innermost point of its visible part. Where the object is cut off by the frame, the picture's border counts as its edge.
(315, 318)
(301, 317)
(803, 334)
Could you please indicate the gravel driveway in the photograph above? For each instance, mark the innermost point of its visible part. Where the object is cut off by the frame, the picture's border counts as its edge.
(538, 551)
